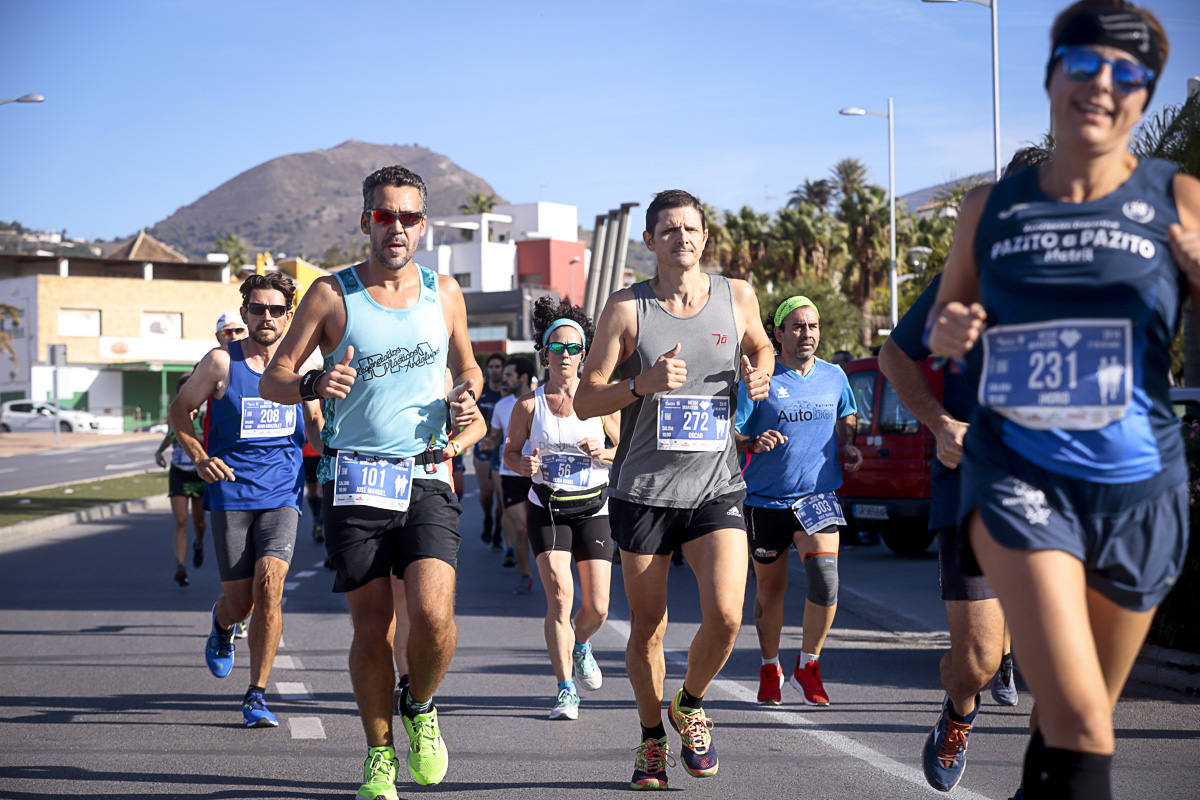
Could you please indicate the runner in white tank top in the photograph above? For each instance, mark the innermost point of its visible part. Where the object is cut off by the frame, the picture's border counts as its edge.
(567, 513)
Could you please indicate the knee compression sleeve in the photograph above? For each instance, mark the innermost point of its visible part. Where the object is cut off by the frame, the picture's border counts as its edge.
(821, 569)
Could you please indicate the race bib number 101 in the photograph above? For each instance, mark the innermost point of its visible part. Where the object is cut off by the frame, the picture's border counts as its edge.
(370, 481)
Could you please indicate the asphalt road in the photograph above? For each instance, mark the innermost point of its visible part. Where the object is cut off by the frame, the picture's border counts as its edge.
(104, 692)
(29, 471)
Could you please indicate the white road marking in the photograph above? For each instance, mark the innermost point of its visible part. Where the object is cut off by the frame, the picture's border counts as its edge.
(306, 727)
(319, 564)
(126, 465)
(288, 662)
(7, 469)
(308, 573)
(290, 690)
(806, 725)
(289, 585)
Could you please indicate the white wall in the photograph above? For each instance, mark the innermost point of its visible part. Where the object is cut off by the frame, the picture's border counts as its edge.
(538, 221)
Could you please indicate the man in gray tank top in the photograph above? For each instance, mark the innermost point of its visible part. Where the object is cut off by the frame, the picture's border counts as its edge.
(677, 345)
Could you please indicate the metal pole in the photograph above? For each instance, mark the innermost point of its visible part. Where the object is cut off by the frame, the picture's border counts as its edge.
(593, 280)
(995, 90)
(622, 249)
(610, 251)
(892, 213)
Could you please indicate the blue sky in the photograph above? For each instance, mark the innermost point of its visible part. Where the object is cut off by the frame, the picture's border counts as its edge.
(152, 104)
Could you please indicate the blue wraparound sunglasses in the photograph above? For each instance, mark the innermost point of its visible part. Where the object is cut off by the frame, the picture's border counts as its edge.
(558, 348)
(1084, 64)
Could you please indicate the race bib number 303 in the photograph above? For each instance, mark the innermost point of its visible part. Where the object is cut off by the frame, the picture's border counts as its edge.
(817, 512)
(1072, 374)
(262, 419)
(369, 481)
(693, 423)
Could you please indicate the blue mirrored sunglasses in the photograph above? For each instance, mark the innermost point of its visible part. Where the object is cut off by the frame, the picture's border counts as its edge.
(558, 348)
(1084, 64)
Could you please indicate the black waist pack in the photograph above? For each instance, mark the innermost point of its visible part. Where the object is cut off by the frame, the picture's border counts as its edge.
(570, 506)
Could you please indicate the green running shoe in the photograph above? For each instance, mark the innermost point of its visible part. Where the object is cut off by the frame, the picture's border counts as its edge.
(427, 754)
(379, 775)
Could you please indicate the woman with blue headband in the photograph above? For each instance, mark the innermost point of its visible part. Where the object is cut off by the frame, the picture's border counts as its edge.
(1074, 483)
(567, 506)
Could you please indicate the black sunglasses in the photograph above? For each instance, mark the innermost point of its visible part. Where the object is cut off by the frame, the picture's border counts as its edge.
(260, 309)
(558, 348)
(387, 218)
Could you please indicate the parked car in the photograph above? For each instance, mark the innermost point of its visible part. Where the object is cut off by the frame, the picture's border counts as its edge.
(889, 493)
(40, 415)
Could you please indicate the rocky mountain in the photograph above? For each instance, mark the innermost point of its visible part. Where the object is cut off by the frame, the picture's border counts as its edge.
(304, 203)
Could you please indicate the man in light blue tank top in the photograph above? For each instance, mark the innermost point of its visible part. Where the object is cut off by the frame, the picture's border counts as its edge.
(389, 328)
(679, 344)
(252, 467)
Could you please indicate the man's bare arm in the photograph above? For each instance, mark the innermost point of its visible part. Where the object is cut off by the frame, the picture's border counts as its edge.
(912, 388)
(281, 379)
(209, 379)
(758, 353)
(616, 330)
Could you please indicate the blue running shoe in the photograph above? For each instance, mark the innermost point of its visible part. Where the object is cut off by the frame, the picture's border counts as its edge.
(255, 712)
(945, 754)
(219, 650)
(1004, 686)
(696, 750)
(650, 765)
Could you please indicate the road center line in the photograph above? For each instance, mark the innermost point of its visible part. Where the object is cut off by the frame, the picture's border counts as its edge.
(306, 727)
(290, 690)
(803, 723)
(308, 573)
(287, 662)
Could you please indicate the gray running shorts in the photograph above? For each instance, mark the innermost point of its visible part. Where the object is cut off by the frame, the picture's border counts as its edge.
(241, 538)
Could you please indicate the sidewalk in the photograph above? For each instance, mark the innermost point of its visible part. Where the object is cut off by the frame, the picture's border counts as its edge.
(19, 444)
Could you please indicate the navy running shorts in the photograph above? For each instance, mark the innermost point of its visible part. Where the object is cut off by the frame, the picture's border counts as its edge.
(241, 538)
(365, 543)
(954, 582)
(310, 468)
(772, 531)
(658, 530)
(1131, 537)
(585, 539)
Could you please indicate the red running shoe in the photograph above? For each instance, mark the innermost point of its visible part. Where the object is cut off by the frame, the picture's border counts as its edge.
(770, 681)
(807, 681)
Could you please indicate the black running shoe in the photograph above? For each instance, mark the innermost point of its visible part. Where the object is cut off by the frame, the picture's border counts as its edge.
(181, 576)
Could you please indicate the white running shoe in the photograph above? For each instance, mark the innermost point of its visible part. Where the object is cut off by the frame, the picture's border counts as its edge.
(566, 706)
(587, 671)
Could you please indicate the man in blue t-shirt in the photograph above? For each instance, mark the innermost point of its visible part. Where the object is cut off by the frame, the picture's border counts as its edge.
(795, 437)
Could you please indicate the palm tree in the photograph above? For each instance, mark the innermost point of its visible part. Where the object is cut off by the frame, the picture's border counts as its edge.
(748, 240)
(817, 193)
(865, 215)
(849, 175)
(479, 203)
(716, 252)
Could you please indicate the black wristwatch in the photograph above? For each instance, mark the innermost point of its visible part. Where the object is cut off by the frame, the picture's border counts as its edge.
(633, 387)
(308, 384)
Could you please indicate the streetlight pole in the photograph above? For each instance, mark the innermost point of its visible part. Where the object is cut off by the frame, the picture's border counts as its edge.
(995, 76)
(854, 111)
(25, 98)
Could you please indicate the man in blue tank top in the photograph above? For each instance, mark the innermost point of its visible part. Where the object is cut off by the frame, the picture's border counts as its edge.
(679, 343)
(795, 437)
(253, 470)
(389, 328)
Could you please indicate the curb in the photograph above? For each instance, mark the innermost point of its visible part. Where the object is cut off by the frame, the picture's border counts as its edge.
(85, 515)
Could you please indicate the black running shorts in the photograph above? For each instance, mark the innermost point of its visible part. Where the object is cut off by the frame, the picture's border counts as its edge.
(365, 543)
(658, 530)
(585, 539)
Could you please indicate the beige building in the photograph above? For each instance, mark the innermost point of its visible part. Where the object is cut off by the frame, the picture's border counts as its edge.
(132, 322)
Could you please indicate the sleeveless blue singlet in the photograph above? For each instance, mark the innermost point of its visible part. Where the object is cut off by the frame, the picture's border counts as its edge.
(267, 468)
(1107, 259)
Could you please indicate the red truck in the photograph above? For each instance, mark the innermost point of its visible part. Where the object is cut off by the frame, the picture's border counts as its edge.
(889, 493)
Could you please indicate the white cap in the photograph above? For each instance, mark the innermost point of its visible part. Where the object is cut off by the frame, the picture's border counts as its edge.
(230, 319)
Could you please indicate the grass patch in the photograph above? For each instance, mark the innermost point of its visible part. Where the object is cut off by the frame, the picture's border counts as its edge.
(40, 503)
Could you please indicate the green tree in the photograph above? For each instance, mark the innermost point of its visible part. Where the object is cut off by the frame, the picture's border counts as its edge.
(479, 203)
(747, 241)
(817, 193)
(864, 212)
(840, 320)
(233, 246)
(849, 175)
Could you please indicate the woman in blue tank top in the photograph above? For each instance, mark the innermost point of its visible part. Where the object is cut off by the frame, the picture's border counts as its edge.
(1070, 277)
